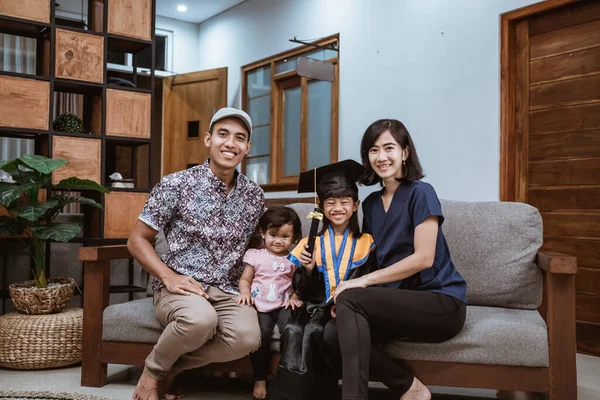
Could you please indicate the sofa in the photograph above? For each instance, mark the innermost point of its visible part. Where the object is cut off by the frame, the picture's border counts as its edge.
(519, 332)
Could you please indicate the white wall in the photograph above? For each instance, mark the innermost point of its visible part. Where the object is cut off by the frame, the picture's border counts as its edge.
(185, 44)
(433, 64)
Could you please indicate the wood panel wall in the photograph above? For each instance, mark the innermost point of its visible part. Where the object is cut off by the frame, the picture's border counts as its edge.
(559, 151)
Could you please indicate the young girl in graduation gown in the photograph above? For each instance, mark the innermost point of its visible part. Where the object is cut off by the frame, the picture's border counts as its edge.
(340, 253)
(416, 292)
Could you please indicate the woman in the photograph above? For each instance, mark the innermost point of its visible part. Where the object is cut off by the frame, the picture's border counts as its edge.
(416, 293)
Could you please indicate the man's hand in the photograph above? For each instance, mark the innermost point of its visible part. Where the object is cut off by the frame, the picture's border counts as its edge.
(332, 311)
(185, 285)
(245, 299)
(306, 259)
(294, 302)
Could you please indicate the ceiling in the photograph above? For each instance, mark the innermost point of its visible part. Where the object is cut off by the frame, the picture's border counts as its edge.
(197, 10)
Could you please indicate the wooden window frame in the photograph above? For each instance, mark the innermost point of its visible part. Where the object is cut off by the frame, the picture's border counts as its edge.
(280, 82)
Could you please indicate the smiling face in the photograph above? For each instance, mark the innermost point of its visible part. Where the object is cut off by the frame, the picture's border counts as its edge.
(279, 240)
(339, 211)
(386, 157)
(228, 143)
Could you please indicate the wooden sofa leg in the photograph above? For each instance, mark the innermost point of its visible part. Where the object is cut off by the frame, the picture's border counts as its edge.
(93, 373)
(561, 335)
(96, 279)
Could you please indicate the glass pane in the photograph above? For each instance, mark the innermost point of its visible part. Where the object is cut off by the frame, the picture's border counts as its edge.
(259, 82)
(261, 141)
(321, 54)
(260, 110)
(286, 65)
(258, 169)
(291, 131)
(319, 123)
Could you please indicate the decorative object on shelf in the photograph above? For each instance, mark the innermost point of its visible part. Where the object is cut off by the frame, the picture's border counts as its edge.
(41, 341)
(68, 122)
(117, 181)
(121, 82)
(31, 219)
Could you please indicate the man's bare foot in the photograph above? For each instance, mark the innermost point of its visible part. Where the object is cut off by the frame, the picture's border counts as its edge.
(146, 389)
(171, 391)
(260, 389)
(417, 391)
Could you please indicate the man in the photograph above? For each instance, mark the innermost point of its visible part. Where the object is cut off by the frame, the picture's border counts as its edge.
(208, 214)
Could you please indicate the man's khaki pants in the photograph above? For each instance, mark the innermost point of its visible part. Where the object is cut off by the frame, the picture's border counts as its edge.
(201, 331)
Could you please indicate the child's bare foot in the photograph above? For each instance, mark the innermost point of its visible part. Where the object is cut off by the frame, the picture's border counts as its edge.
(146, 389)
(260, 389)
(171, 390)
(417, 391)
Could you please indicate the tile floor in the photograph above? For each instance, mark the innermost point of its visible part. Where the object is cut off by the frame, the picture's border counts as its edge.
(122, 381)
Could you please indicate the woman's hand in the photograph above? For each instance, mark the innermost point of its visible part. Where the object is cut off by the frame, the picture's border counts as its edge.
(352, 283)
(294, 302)
(245, 299)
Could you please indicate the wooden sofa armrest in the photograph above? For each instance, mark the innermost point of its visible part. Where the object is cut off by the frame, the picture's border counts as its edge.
(96, 281)
(103, 253)
(557, 263)
(558, 310)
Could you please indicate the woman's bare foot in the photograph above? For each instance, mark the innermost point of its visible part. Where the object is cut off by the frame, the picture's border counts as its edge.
(417, 391)
(260, 389)
(171, 390)
(146, 388)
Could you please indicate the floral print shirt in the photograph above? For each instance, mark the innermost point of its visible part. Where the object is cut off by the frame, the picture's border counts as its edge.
(207, 231)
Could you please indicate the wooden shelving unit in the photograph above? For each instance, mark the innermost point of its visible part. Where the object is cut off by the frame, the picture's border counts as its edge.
(73, 60)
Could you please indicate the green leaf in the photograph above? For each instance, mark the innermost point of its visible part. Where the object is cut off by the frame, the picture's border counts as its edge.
(43, 164)
(82, 200)
(10, 192)
(76, 183)
(58, 232)
(33, 213)
(11, 226)
(11, 165)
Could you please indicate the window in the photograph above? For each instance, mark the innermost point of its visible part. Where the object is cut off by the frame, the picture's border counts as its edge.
(295, 119)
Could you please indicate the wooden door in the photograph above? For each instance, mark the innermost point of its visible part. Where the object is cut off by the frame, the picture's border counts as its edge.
(190, 100)
(551, 158)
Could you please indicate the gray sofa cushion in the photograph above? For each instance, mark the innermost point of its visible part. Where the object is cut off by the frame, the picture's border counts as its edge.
(133, 321)
(494, 245)
(490, 336)
(499, 336)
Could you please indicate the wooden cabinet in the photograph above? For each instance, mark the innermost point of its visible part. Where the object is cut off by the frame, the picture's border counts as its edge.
(34, 10)
(130, 18)
(24, 103)
(84, 156)
(128, 113)
(121, 213)
(79, 56)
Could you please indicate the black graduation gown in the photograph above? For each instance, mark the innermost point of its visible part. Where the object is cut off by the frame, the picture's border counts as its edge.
(302, 373)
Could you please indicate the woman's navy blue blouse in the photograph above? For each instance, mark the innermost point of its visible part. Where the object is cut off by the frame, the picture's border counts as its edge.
(394, 234)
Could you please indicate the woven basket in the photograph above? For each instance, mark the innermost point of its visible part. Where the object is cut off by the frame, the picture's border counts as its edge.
(34, 301)
(41, 341)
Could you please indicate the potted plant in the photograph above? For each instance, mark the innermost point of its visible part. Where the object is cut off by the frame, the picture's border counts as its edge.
(29, 218)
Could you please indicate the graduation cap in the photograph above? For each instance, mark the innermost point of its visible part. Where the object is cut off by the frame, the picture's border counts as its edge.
(339, 175)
